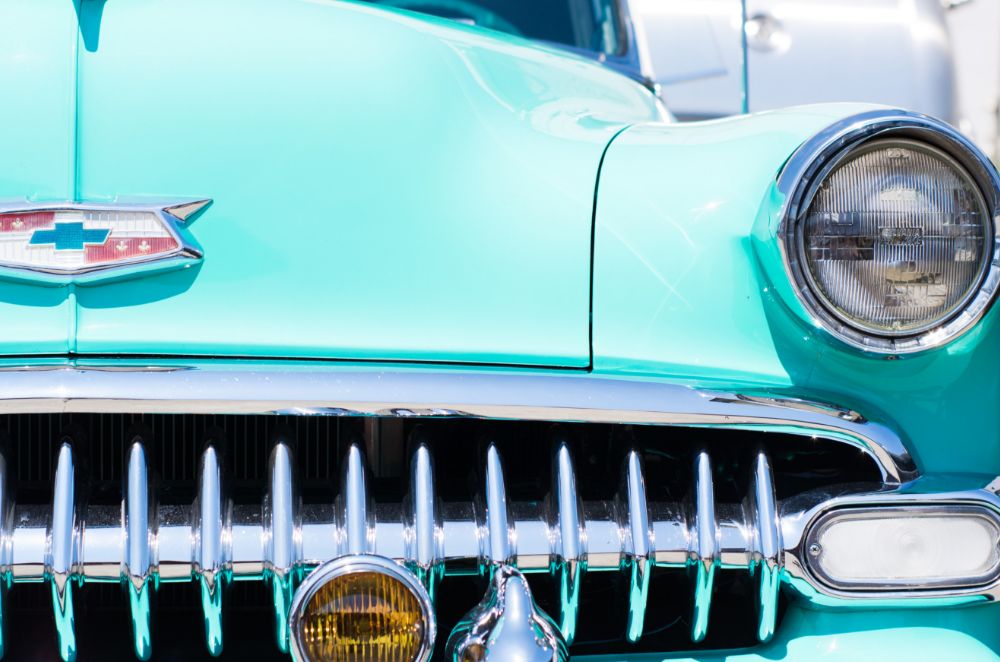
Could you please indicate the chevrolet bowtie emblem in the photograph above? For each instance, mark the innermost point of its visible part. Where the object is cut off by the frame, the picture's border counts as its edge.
(84, 242)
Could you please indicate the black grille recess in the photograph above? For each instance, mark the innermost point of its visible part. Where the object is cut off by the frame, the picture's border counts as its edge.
(183, 513)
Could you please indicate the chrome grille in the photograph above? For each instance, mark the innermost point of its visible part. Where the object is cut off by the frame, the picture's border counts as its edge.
(228, 507)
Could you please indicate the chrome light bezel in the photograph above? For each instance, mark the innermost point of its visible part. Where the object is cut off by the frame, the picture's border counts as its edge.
(817, 157)
(351, 564)
(801, 515)
(819, 573)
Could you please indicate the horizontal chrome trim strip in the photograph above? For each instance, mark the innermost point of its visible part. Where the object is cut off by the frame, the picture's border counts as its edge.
(352, 390)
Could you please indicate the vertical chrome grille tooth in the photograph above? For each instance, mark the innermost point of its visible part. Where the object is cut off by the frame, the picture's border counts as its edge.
(571, 558)
(138, 567)
(6, 536)
(357, 516)
(499, 536)
(281, 519)
(212, 514)
(62, 549)
(426, 536)
(767, 560)
(638, 544)
(705, 538)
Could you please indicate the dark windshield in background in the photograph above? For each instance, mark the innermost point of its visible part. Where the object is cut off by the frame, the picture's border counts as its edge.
(591, 25)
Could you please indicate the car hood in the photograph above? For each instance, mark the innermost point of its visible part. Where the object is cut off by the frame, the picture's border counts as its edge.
(385, 186)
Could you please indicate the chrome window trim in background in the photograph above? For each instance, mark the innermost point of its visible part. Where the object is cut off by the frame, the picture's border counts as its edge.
(805, 169)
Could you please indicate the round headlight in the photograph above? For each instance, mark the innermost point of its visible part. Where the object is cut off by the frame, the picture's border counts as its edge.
(897, 238)
(893, 245)
(362, 608)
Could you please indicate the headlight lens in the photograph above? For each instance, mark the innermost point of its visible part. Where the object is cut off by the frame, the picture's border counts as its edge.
(896, 238)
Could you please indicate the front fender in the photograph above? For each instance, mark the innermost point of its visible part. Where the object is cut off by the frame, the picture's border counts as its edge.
(688, 285)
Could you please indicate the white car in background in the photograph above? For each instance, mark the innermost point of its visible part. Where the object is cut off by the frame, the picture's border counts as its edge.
(974, 27)
(894, 52)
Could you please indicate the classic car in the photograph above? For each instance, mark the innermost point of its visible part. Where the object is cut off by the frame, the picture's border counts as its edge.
(350, 332)
(893, 52)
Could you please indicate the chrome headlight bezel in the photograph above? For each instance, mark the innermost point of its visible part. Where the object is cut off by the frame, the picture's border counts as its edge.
(817, 158)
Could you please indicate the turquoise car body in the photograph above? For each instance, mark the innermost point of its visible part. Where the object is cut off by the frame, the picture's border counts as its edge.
(450, 196)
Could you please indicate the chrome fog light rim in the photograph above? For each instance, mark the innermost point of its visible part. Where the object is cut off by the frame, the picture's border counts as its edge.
(348, 565)
(812, 549)
(806, 169)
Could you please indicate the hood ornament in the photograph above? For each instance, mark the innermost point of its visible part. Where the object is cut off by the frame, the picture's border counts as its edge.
(70, 242)
(507, 625)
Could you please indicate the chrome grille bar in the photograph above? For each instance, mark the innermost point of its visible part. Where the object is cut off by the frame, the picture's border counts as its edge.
(59, 560)
(6, 527)
(214, 542)
(571, 556)
(212, 521)
(705, 554)
(636, 544)
(500, 535)
(767, 545)
(425, 548)
(140, 526)
(281, 518)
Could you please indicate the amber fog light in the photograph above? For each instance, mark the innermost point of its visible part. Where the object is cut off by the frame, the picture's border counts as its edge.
(364, 609)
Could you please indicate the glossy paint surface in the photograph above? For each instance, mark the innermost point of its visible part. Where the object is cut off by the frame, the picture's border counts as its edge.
(685, 242)
(37, 50)
(423, 195)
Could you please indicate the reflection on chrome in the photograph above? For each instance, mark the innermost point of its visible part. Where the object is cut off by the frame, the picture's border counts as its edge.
(212, 515)
(567, 509)
(324, 389)
(638, 538)
(62, 536)
(764, 509)
(281, 520)
(506, 625)
(706, 558)
(424, 549)
(499, 535)
(140, 523)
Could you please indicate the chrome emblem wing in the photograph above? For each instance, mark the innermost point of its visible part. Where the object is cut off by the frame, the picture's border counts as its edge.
(71, 242)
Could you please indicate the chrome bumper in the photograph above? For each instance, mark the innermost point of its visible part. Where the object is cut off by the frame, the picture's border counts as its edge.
(213, 542)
